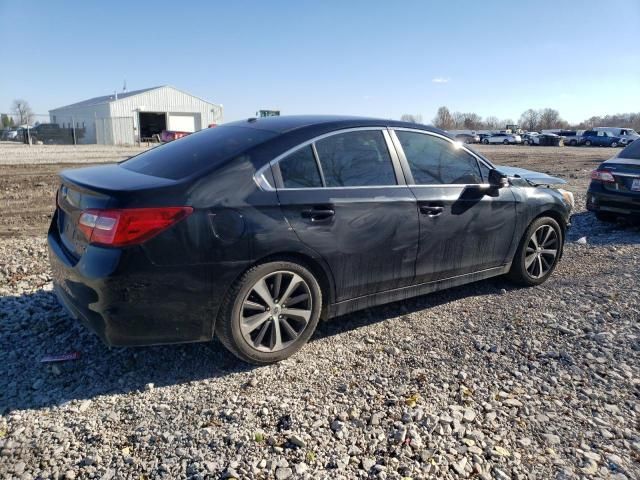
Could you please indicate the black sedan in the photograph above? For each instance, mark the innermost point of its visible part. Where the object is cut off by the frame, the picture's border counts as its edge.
(615, 186)
(255, 230)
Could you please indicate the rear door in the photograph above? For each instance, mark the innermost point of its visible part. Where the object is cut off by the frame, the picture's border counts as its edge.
(345, 197)
(464, 227)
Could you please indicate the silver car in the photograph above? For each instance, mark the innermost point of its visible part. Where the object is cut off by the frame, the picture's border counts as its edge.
(505, 138)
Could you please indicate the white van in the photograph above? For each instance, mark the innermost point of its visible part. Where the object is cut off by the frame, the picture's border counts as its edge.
(627, 135)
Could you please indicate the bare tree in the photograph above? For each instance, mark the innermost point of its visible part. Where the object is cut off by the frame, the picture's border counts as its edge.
(409, 117)
(22, 109)
(529, 120)
(443, 119)
(550, 118)
(472, 121)
(458, 120)
(492, 122)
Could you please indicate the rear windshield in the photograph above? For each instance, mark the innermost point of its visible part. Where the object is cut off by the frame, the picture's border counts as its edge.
(196, 152)
(631, 151)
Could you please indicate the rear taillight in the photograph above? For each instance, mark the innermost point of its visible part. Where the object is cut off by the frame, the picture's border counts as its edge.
(130, 226)
(603, 176)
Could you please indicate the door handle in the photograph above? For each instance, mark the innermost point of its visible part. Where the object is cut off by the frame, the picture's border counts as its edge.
(431, 210)
(317, 214)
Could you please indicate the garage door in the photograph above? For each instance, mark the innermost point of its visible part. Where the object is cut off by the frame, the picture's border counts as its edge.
(182, 122)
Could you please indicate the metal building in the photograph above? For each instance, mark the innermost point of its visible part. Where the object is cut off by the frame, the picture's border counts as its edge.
(128, 117)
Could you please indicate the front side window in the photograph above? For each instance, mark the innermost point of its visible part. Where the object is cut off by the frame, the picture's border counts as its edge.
(435, 161)
(354, 159)
(300, 170)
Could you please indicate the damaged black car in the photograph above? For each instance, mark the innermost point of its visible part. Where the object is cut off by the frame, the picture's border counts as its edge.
(255, 230)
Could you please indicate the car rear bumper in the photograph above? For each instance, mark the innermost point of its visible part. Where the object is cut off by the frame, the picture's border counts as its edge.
(127, 300)
(624, 204)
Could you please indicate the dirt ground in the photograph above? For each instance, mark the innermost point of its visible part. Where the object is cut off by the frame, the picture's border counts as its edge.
(28, 179)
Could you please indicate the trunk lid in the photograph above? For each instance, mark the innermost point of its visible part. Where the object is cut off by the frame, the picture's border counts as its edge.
(626, 174)
(103, 186)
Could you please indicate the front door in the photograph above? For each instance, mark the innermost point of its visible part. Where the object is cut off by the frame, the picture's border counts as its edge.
(345, 198)
(464, 227)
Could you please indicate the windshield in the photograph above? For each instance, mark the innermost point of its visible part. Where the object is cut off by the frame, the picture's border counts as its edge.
(196, 152)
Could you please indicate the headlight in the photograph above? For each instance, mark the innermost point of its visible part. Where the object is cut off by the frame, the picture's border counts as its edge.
(567, 197)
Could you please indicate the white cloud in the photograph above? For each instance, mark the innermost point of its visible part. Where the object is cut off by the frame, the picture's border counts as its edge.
(440, 80)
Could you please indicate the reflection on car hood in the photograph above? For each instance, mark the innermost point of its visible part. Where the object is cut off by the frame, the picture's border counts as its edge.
(537, 178)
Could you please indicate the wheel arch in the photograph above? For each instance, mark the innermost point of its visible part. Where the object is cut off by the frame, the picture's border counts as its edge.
(317, 267)
(558, 217)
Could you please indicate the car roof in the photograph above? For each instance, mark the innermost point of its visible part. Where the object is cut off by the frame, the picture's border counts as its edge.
(288, 123)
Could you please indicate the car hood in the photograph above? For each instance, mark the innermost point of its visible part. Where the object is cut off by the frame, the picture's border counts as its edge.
(537, 178)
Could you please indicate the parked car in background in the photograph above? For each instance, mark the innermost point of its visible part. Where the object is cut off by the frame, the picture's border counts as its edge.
(626, 135)
(170, 136)
(467, 138)
(599, 139)
(53, 134)
(615, 185)
(9, 134)
(529, 138)
(571, 137)
(255, 230)
(505, 138)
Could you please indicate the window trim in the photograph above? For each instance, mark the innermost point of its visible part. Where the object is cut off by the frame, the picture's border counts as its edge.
(261, 180)
(407, 169)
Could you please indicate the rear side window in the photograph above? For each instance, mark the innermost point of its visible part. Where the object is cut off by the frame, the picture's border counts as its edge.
(196, 152)
(300, 170)
(355, 159)
(631, 151)
(435, 161)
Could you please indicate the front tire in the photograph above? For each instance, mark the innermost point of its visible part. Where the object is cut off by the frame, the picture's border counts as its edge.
(614, 144)
(506, 142)
(538, 253)
(270, 312)
(588, 143)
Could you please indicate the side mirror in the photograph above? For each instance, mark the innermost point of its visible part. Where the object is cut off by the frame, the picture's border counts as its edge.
(497, 179)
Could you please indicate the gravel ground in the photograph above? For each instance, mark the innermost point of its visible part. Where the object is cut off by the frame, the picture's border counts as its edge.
(482, 381)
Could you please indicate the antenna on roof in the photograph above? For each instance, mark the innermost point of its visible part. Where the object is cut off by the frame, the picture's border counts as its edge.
(115, 94)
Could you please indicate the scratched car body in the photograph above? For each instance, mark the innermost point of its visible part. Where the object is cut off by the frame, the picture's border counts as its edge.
(256, 230)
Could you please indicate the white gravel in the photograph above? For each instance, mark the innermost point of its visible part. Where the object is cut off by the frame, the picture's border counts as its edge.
(485, 380)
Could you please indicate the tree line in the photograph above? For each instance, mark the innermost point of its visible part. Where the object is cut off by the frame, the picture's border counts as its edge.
(531, 120)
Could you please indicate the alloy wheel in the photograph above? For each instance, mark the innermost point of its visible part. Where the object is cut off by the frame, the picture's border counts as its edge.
(276, 311)
(541, 251)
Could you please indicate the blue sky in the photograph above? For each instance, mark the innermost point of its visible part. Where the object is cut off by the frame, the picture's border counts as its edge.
(376, 58)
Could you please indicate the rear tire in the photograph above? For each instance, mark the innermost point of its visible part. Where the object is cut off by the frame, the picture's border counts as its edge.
(606, 217)
(485, 141)
(538, 253)
(614, 144)
(506, 142)
(588, 143)
(260, 328)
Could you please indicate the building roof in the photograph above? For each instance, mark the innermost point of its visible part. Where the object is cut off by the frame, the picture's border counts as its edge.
(107, 98)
